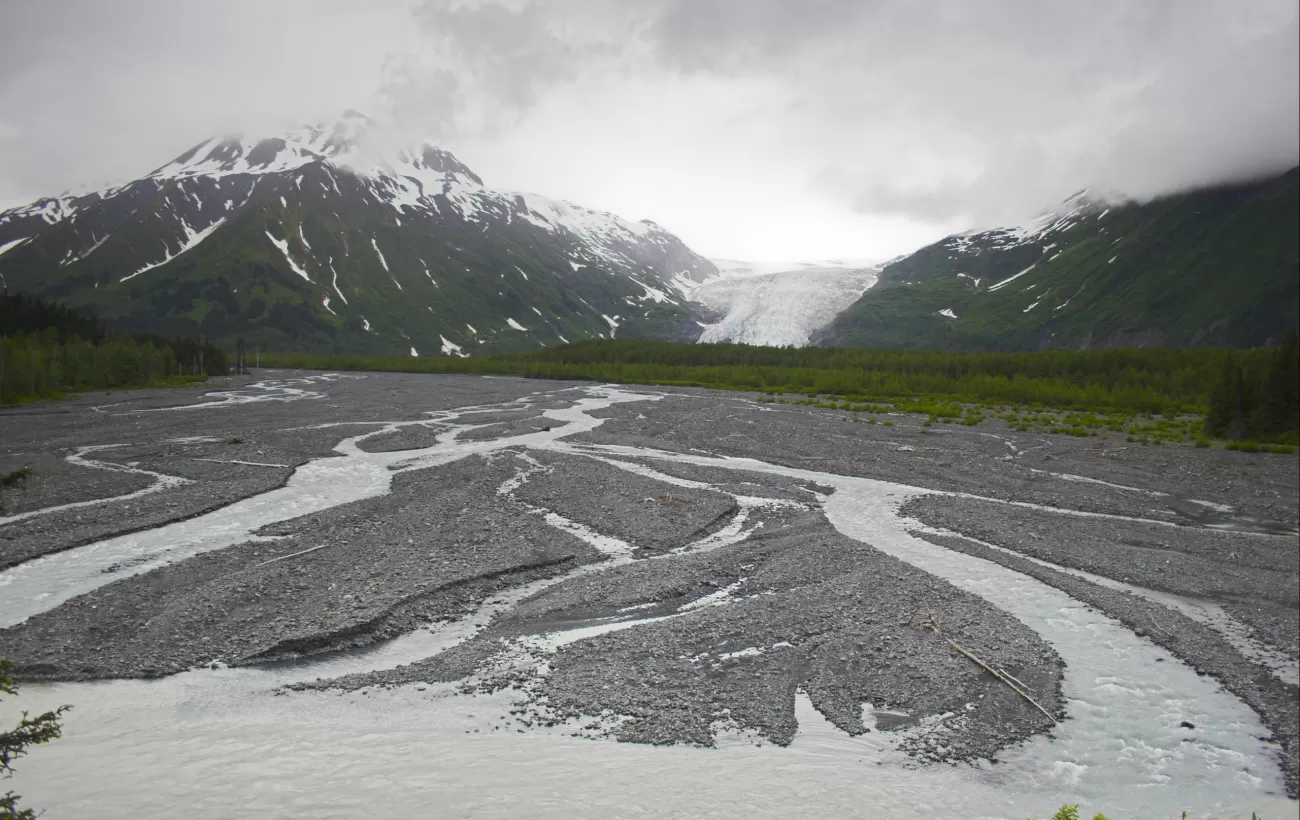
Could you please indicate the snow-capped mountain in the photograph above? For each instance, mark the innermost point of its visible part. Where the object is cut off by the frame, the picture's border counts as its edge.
(779, 303)
(322, 239)
(1212, 266)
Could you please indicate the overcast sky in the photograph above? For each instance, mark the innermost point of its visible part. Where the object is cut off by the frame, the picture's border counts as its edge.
(755, 129)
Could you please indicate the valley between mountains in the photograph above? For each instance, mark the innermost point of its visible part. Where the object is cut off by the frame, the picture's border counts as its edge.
(458, 590)
(326, 240)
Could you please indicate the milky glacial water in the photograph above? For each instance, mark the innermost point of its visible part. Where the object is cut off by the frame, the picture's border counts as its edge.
(223, 742)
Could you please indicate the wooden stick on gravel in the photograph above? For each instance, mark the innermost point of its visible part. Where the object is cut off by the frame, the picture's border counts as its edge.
(290, 555)
(933, 625)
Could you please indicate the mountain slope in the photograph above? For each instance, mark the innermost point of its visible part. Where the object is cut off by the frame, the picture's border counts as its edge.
(780, 308)
(308, 242)
(1216, 266)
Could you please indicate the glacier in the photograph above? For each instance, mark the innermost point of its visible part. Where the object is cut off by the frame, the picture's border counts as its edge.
(778, 304)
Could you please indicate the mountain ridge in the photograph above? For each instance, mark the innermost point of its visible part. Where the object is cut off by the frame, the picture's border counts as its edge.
(1211, 266)
(337, 249)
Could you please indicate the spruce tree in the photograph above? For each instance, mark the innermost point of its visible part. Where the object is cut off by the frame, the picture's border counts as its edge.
(14, 743)
(1223, 400)
(1279, 406)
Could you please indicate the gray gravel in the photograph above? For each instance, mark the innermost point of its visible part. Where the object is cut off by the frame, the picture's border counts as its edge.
(1277, 703)
(1185, 560)
(815, 603)
(53, 481)
(975, 460)
(650, 515)
(433, 548)
(824, 614)
(517, 427)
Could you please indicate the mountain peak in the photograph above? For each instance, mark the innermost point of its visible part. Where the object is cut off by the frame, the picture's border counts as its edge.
(349, 234)
(354, 141)
(438, 160)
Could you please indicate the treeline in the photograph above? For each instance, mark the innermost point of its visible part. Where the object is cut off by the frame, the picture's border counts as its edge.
(1132, 380)
(20, 314)
(1150, 380)
(47, 349)
(1258, 399)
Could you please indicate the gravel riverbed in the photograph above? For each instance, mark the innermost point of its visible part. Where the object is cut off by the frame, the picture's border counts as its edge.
(670, 602)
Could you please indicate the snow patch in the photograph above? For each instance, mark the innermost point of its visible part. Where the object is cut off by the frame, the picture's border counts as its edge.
(1011, 279)
(451, 348)
(8, 246)
(192, 239)
(335, 282)
(283, 245)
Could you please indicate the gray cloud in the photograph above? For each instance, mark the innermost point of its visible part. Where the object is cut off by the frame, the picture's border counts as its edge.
(946, 111)
(754, 127)
(92, 91)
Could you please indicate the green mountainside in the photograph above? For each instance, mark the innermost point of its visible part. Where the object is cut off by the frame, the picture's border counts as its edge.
(308, 244)
(1217, 266)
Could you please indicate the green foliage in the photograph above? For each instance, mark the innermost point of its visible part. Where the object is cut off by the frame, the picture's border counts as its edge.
(1151, 395)
(1258, 398)
(1070, 811)
(1120, 382)
(44, 362)
(14, 478)
(14, 743)
(24, 314)
(38, 367)
(1256, 447)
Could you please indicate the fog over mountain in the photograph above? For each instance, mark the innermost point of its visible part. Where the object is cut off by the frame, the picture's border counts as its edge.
(756, 130)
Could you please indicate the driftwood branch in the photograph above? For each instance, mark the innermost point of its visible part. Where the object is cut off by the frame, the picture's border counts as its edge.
(933, 625)
(290, 555)
(1157, 625)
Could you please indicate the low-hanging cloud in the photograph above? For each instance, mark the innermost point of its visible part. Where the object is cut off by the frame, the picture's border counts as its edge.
(858, 125)
(943, 112)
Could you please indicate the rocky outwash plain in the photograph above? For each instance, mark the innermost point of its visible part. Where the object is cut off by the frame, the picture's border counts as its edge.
(659, 566)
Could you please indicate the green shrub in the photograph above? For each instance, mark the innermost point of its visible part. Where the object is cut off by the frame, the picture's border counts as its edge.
(1071, 812)
(1244, 446)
